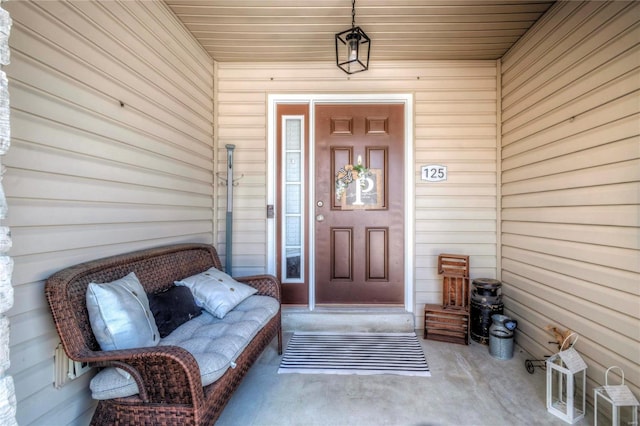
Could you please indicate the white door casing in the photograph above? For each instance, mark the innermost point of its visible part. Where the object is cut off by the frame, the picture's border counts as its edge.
(409, 179)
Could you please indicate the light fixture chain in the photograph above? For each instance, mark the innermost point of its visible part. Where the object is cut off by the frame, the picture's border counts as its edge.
(353, 13)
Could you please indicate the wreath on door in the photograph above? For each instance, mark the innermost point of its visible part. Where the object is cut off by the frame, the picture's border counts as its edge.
(347, 175)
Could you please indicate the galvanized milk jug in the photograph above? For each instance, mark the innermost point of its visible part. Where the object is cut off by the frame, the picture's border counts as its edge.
(501, 336)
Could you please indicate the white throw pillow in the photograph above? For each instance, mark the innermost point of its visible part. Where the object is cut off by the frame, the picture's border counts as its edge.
(120, 316)
(216, 291)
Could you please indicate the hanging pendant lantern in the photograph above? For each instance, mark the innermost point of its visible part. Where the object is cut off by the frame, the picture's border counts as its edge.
(353, 47)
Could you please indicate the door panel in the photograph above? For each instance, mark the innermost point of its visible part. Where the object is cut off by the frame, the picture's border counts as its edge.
(377, 254)
(342, 255)
(359, 228)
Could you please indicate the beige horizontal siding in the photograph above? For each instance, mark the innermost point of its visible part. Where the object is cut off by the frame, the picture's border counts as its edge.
(112, 151)
(454, 125)
(571, 184)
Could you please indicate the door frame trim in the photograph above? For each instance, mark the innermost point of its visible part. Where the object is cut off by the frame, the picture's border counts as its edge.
(273, 100)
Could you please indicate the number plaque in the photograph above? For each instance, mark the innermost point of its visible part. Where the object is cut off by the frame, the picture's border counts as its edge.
(434, 173)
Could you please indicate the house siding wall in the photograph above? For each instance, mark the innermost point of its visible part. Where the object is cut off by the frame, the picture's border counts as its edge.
(571, 184)
(112, 151)
(454, 125)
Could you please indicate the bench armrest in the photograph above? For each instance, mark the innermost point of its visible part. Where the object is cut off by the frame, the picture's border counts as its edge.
(164, 374)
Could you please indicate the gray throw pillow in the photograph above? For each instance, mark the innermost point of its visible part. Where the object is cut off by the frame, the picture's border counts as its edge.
(120, 316)
(216, 291)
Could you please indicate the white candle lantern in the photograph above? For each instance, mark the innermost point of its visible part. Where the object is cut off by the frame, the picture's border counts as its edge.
(566, 385)
(618, 396)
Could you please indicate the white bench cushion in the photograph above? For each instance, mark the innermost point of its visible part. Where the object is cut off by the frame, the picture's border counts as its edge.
(215, 344)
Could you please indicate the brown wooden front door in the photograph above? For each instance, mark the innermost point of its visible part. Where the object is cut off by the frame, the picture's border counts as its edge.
(359, 225)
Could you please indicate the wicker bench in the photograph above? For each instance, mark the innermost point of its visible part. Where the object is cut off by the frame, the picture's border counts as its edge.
(167, 377)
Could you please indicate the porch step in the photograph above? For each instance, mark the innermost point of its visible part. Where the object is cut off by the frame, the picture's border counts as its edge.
(347, 320)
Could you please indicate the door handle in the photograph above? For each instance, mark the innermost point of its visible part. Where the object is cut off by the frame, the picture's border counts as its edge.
(320, 218)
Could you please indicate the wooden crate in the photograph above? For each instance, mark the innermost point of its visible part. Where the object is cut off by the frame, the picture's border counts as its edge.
(446, 325)
(454, 269)
(453, 264)
(455, 292)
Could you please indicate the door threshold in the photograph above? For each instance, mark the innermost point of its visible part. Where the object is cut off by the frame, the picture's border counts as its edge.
(346, 309)
(360, 308)
(347, 318)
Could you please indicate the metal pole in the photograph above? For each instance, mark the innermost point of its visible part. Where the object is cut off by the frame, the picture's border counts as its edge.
(229, 221)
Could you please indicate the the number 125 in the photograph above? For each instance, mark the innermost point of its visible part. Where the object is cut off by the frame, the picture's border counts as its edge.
(434, 173)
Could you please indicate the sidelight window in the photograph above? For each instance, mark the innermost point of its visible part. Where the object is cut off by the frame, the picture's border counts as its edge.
(293, 199)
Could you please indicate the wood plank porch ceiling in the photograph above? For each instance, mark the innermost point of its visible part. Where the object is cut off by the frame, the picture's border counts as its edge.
(300, 30)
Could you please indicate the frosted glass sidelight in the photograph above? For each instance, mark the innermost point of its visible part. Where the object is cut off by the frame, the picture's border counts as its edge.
(292, 199)
(293, 264)
(292, 186)
(293, 167)
(293, 231)
(293, 134)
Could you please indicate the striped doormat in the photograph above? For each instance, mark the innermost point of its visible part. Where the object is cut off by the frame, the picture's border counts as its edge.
(354, 353)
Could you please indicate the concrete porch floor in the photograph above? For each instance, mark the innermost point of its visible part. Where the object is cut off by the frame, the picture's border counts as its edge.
(467, 387)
